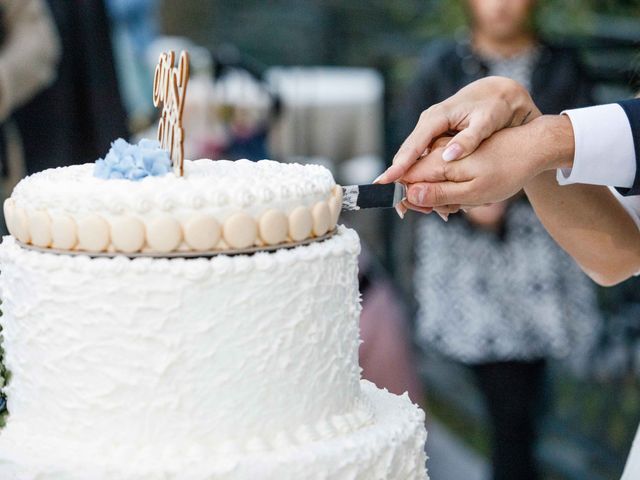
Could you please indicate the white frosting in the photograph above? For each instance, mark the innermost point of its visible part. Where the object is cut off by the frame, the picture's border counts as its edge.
(216, 206)
(194, 369)
(224, 350)
(392, 448)
(219, 188)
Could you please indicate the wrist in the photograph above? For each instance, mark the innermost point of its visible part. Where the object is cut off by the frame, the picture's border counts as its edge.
(553, 135)
(520, 103)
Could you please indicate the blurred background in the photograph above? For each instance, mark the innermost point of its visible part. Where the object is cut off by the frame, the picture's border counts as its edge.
(526, 369)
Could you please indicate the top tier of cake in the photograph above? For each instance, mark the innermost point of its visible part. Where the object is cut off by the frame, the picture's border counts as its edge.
(217, 205)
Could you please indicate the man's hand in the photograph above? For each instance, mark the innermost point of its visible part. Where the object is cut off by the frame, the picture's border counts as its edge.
(471, 115)
(498, 169)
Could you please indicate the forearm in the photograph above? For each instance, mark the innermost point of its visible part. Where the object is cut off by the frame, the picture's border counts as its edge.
(587, 221)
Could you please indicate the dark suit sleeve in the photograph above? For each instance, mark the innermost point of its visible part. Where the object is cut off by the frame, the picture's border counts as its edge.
(632, 110)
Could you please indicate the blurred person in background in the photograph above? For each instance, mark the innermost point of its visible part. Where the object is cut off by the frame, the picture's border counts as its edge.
(494, 291)
(29, 53)
(75, 119)
(134, 27)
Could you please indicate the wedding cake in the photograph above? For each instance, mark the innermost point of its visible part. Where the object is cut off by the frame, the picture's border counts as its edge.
(189, 328)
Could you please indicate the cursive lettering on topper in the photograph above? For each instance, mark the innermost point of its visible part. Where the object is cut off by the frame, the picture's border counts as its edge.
(169, 91)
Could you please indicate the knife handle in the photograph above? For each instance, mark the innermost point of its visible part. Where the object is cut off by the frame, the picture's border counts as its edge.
(356, 197)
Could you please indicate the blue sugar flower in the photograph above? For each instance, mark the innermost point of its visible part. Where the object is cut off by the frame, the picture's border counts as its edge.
(133, 162)
(161, 167)
(101, 169)
(137, 174)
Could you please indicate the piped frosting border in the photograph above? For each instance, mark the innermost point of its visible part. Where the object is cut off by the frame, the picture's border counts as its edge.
(196, 228)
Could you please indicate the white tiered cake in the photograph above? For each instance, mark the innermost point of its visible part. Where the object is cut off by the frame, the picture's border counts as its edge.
(213, 367)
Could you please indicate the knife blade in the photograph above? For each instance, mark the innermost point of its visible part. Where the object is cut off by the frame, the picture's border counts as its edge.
(355, 197)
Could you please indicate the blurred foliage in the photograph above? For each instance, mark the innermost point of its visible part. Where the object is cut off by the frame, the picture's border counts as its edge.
(597, 418)
(358, 32)
(385, 34)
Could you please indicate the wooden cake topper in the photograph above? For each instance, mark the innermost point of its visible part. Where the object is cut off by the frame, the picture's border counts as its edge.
(169, 90)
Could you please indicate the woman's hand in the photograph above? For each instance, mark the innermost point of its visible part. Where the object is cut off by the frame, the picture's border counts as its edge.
(472, 115)
(502, 165)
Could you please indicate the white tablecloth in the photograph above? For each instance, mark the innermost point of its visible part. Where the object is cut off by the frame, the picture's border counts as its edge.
(328, 112)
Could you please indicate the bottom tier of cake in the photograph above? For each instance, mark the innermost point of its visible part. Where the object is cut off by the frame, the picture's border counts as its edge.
(391, 448)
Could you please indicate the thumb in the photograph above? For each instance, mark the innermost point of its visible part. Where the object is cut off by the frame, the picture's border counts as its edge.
(440, 194)
(466, 141)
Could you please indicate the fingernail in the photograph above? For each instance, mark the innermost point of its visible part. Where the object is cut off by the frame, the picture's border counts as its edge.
(399, 211)
(379, 177)
(416, 196)
(452, 152)
(444, 216)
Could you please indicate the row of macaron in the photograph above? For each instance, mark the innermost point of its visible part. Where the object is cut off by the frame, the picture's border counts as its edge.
(164, 233)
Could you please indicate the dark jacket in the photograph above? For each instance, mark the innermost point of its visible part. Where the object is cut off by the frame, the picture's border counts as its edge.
(75, 120)
(558, 82)
(632, 110)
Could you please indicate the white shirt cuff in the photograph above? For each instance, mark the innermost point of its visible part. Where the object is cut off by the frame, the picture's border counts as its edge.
(604, 150)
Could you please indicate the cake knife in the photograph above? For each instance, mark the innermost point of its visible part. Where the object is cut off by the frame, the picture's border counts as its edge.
(355, 197)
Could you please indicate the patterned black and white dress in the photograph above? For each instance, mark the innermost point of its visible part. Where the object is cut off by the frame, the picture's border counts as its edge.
(487, 297)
